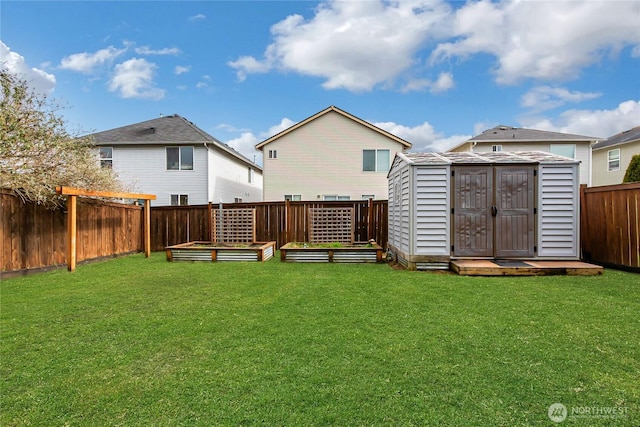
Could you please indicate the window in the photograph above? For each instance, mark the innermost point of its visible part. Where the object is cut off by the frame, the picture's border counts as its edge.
(375, 160)
(496, 148)
(368, 196)
(250, 175)
(273, 154)
(566, 150)
(179, 199)
(180, 158)
(613, 160)
(237, 200)
(333, 197)
(293, 197)
(106, 157)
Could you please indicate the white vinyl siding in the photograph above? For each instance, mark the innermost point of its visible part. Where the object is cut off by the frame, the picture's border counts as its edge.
(558, 211)
(431, 211)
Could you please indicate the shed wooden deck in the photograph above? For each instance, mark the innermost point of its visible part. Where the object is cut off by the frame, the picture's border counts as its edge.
(475, 267)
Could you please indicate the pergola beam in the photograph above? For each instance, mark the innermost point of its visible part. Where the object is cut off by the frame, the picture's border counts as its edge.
(73, 193)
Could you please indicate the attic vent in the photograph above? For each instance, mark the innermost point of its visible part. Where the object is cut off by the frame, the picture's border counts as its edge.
(152, 130)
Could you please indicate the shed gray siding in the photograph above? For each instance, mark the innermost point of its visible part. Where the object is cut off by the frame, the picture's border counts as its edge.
(431, 210)
(558, 211)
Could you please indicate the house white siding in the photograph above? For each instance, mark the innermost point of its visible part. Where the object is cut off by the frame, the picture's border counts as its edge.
(324, 158)
(229, 180)
(558, 211)
(144, 169)
(431, 211)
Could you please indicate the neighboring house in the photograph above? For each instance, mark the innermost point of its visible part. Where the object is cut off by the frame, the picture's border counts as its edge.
(612, 156)
(331, 155)
(178, 162)
(507, 138)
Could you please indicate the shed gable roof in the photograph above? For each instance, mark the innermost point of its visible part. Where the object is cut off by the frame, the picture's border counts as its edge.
(167, 130)
(335, 109)
(630, 135)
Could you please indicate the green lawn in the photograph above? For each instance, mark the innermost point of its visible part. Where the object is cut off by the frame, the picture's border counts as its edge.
(138, 341)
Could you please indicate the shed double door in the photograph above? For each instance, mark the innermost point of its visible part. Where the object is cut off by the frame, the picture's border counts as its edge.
(493, 211)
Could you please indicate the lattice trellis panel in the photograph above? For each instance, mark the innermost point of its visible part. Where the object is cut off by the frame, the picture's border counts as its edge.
(328, 225)
(236, 225)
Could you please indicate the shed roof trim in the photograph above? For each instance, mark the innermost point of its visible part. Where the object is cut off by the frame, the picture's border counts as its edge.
(502, 157)
(335, 109)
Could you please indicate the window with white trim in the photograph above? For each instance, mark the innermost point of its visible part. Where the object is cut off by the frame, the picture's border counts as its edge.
(179, 199)
(368, 196)
(180, 158)
(331, 197)
(566, 150)
(496, 148)
(375, 160)
(106, 157)
(293, 197)
(613, 160)
(273, 154)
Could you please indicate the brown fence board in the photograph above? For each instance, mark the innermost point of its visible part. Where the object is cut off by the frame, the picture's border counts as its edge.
(281, 222)
(610, 225)
(34, 237)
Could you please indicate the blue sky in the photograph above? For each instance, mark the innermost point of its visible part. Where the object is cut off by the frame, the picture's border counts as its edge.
(432, 72)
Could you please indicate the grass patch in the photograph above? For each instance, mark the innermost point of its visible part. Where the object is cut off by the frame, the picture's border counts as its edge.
(137, 341)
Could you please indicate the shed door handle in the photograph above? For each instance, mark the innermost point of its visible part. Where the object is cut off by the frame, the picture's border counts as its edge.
(494, 210)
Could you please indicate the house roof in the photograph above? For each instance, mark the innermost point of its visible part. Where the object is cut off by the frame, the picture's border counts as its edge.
(494, 157)
(335, 109)
(630, 135)
(503, 133)
(166, 130)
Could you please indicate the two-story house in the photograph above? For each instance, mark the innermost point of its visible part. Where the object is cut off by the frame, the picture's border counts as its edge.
(507, 138)
(178, 162)
(331, 155)
(612, 156)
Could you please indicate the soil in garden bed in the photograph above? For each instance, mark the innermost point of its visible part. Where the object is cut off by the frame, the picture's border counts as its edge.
(334, 245)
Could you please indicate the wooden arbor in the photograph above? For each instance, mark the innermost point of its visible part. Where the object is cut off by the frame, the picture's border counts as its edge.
(73, 193)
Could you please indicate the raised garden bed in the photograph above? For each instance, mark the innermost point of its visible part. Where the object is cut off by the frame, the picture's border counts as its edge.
(331, 252)
(213, 252)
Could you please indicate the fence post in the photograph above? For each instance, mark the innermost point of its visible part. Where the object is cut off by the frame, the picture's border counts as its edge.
(370, 219)
(71, 230)
(287, 225)
(210, 221)
(147, 228)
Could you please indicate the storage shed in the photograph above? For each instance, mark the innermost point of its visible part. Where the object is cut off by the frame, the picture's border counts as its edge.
(497, 205)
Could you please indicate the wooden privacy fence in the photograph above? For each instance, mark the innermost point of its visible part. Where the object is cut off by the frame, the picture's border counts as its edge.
(281, 222)
(610, 225)
(33, 237)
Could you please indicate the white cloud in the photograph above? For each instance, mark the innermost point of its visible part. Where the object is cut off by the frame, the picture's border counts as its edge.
(358, 45)
(542, 39)
(246, 142)
(38, 80)
(599, 123)
(146, 50)
(180, 69)
(423, 137)
(87, 62)
(442, 84)
(245, 145)
(354, 45)
(543, 98)
(134, 79)
(198, 17)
